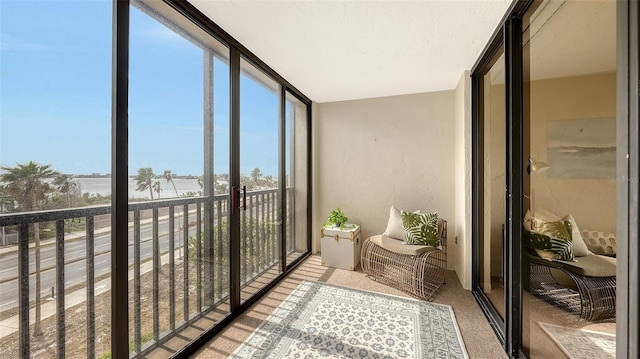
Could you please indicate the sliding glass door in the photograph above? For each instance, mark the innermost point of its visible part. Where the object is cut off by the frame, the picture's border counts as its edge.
(492, 236)
(552, 162)
(178, 202)
(259, 205)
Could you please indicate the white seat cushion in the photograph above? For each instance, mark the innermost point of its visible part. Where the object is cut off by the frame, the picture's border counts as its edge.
(399, 247)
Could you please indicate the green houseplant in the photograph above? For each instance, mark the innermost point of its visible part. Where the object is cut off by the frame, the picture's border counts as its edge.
(337, 218)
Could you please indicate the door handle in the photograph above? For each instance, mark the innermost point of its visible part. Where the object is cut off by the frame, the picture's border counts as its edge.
(244, 197)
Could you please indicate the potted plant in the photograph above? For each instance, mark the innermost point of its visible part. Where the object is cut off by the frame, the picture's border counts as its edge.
(337, 218)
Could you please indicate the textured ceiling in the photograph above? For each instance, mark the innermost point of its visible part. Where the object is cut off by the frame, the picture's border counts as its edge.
(344, 50)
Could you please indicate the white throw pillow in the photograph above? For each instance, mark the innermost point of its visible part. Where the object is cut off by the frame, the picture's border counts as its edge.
(395, 229)
(579, 247)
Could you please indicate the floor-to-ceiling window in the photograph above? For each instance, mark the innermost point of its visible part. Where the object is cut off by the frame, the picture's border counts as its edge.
(55, 183)
(148, 247)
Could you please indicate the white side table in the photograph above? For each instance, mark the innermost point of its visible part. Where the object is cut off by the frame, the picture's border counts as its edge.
(341, 247)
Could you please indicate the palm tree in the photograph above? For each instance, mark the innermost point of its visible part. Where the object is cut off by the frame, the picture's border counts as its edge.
(156, 187)
(28, 186)
(144, 180)
(200, 182)
(169, 177)
(64, 184)
(255, 176)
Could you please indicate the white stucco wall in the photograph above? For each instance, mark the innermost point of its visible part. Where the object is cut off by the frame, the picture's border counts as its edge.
(373, 153)
(462, 134)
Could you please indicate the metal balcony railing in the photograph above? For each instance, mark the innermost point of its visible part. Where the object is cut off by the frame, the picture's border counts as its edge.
(155, 244)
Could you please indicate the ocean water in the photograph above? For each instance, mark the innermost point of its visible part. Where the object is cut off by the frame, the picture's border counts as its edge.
(102, 186)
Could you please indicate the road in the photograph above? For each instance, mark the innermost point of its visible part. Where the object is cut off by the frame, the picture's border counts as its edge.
(75, 269)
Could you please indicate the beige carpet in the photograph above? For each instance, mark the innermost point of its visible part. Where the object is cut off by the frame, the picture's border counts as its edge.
(479, 338)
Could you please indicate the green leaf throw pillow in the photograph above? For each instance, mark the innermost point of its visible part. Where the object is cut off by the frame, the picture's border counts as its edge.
(553, 238)
(421, 228)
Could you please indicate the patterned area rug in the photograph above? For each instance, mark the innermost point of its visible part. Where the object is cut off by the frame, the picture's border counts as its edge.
(320, 320)
(581, 343)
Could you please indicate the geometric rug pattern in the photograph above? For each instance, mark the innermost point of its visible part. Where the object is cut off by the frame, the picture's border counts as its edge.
(582, 343)
(320, 320)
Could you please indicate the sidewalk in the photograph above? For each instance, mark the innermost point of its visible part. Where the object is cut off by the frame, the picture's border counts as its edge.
(10, 325)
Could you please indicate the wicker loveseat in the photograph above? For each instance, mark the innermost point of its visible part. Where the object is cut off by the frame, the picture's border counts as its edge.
(415, 269)
(585, 287)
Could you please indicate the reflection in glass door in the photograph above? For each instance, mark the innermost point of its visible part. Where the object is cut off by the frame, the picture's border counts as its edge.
(569, 50)
(258, 193)
(564, 148)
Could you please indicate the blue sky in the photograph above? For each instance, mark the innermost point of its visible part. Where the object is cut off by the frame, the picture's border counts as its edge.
(55, 95)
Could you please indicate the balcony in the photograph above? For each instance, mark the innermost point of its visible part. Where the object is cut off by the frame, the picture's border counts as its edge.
(178, 276)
